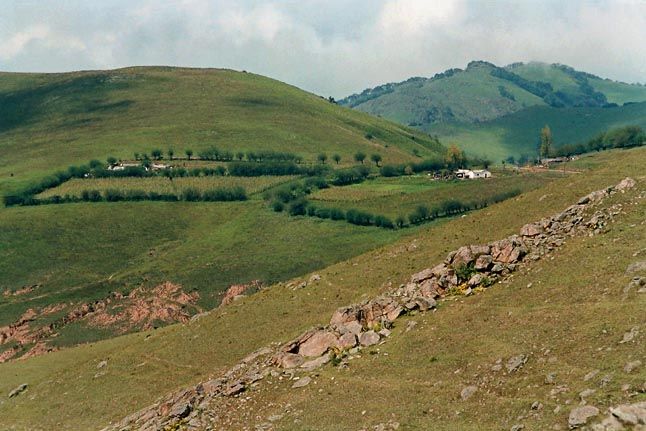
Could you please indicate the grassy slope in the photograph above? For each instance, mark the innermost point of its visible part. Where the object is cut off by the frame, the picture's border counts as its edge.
(48, 122)
(519, 133)
(84, 251)
(471, 95)
(64, 394)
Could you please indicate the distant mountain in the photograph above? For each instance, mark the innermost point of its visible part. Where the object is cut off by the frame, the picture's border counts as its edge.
(483, 95)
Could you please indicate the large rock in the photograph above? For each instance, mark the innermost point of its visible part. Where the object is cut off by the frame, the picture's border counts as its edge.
(17, 391)
(431, 289)
(580, 416)
(289, 360)
(630, 414)
(483, 262)
(530, 230)
(347, 341)
(422, 275)
(317, 344)
(625, 184)
(515, 363)
(508, 250)
(353, 327)
(316, 363)
(369, 338)
(462, 257)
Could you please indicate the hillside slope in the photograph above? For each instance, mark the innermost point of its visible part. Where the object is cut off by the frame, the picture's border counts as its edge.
(498, 111)
(50, 121)
(67, 390)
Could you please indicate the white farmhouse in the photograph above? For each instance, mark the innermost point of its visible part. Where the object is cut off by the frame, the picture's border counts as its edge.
(472, 174)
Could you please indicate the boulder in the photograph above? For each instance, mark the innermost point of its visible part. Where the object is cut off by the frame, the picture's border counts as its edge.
(344, 315)
(288, 360)
(580, 416)
(19, 390)
(353, 327)
(636, 267)
(479, 250)
(516, 362)
(530, 230)
(483, 262)
(462, 257)
(369, 338)
(300, 383)
(476, 280)
(625, 184)
(180, 410)
(431, 289)
(508, 250)
(422, 275)
(315, 363)
(347, 341)
(630, 414)
(317, 344)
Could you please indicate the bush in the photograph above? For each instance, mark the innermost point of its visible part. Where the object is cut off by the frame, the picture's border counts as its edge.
(113, 195)
(277, 206)
(359, 217)
(191, 194)
(298, 207)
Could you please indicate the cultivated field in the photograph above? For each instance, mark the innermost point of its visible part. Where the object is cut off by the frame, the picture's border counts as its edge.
(164, 185)
(401, 195)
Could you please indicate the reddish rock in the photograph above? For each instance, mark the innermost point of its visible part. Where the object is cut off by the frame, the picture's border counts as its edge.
(369, 338)
(483, 262)
(347, 341)
(530, 230)
(422, 275)
(463, 257)
(318, 344)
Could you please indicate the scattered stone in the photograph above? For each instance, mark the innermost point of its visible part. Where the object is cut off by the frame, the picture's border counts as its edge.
(19, 390)
(580, 416)
(586, 393)
(631, 366)
(300, 383)
(630, 335)
(515, 363)
(625, 184)
(636, 267)
(517, 427)
(368, 338)
(385, 332)
(590, 375)
(315, 277)
(410, 325)
(468, 392)
(233, 390)
(101, 365)
(536, 405)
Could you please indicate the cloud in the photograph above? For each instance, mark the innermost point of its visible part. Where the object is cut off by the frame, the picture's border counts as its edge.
(331, 47)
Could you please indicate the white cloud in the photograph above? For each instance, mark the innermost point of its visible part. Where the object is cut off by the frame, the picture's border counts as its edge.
(332, 47)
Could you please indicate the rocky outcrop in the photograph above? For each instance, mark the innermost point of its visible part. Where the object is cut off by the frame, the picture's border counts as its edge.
(367, 324)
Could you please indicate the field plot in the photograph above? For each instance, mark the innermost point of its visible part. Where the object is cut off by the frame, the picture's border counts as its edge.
(160, 185)
(401, 195)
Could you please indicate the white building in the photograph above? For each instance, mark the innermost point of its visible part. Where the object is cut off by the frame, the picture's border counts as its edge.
(472, 174)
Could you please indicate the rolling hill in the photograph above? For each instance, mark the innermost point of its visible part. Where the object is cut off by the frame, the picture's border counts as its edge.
(494, 111)
(50, 121)
(59, 261)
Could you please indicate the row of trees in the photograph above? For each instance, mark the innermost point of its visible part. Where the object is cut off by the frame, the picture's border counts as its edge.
(622, 137)
(221, 194)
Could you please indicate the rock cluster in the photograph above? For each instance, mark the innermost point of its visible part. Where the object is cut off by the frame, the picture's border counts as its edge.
(622, 417)
(367, 323)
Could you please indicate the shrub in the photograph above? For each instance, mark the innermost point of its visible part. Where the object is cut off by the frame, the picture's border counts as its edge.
(465, 272)
(298, 207)
(191, 194)
(277, 206)
(113, 195)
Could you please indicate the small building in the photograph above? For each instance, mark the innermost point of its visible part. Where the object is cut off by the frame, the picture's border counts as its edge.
(472, 174)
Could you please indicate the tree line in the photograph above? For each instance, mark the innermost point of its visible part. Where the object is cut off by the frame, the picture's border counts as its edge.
(191, 194)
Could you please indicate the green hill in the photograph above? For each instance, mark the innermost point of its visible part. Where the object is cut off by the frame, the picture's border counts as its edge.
(62, 260)
(498, 111)
(50, 121)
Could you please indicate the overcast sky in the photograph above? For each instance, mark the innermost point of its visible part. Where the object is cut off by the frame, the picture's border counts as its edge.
(330, 47)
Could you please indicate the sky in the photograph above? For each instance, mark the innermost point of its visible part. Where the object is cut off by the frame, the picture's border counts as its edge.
(329, 47)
